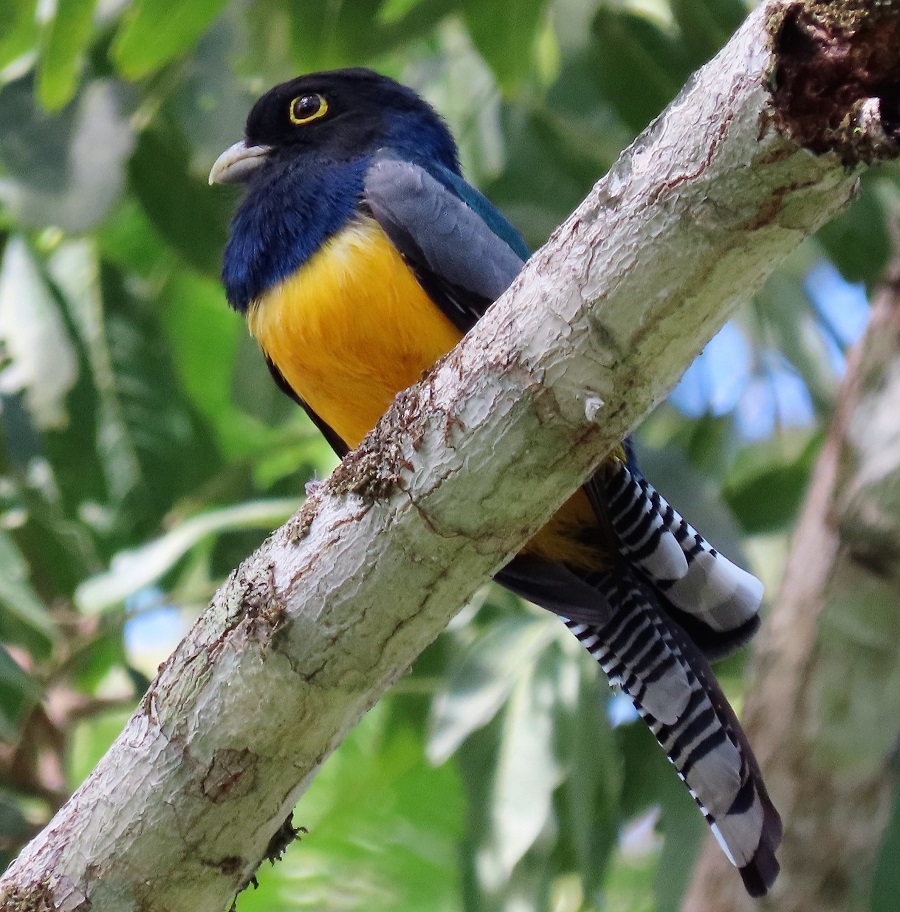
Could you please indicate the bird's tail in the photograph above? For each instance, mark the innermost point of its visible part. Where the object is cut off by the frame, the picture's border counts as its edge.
(647, 654)
(673, 602)
(667, 603)
(714, 600)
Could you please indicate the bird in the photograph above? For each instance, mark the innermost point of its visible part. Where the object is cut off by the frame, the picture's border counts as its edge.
(360, 255)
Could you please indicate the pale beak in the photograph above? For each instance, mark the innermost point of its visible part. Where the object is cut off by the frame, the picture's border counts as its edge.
(237, 163)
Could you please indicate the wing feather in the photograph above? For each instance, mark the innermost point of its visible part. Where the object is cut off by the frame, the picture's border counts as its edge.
(458, 259)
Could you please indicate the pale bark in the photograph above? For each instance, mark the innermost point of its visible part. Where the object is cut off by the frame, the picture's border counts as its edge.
(311, 630)
(824, 711)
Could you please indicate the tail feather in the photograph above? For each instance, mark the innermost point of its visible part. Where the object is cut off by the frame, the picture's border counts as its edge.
(676, 559)
(669, 601)
(671, 685)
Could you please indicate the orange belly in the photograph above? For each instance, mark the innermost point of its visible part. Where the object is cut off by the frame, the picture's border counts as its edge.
(352, 328)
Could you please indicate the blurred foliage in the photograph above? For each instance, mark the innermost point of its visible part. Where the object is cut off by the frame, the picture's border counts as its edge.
(144, 450)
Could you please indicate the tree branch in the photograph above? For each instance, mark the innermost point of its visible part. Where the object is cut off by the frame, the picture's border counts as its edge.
(312, 629)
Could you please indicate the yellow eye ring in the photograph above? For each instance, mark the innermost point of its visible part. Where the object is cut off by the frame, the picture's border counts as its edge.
(305, 108)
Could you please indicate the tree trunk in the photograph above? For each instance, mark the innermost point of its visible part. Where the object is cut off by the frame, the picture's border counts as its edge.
(312, 629)
(824, 711)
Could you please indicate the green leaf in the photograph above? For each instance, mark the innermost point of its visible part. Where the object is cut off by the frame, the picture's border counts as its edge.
(65, 169)
(706, 25)
(41, 363)
(18, 693)
(768, 498)
(189, 214)
(20, 30)
(132, 570)
(638, 67)
(651, 781)
(384, 829)
(15, 829)
(75, 269)
(784, 311)
(350, 32)
(203, 333)
(886, 885)
(628, 884)
(544, 177)
(527, 773)
(505, 33)
(152, 445)
(481, 682)
(707, 443)
(465, 92)
(90, 740)
(410, 21)
(155, 31)
(769, 501)
(645, 768)
(58, 546)
(132, 445)
(20, 606)
(857, 241)
(127, 239)
(683, 829)
(323, 35)
(588, 753)
(93, 660)
(65, 39)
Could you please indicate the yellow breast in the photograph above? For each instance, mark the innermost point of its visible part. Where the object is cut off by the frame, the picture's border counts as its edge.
(351, 328)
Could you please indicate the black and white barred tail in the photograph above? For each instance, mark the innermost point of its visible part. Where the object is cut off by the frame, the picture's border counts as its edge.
(645, 653)
(714, 600)
(665, 602)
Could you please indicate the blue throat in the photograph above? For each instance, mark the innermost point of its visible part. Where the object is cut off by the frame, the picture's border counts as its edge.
(282, 222)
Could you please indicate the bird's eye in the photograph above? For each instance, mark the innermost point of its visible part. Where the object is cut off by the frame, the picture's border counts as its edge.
(308, 107)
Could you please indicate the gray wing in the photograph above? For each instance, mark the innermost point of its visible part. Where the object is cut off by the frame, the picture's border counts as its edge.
(458, 257)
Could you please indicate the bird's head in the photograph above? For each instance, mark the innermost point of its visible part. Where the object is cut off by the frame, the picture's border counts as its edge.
(338, 116)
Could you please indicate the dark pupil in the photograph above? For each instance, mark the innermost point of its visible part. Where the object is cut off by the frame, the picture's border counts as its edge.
(306, 106)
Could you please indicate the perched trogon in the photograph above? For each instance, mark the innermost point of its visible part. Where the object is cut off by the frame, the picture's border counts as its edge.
(359, 255)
